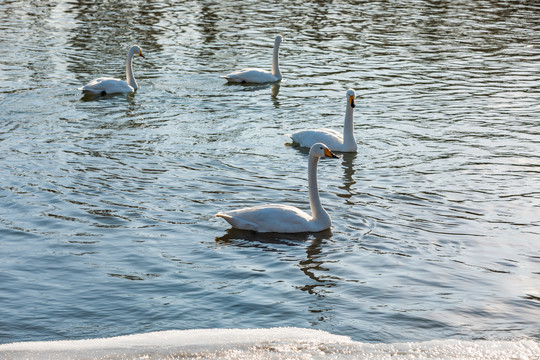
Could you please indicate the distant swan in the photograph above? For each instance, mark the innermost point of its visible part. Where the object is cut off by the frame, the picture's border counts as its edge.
(106, 86)
(284, 218)
(334, 140)
(253, 75)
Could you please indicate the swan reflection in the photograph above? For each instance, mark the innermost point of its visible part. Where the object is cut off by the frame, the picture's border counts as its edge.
(312, 265)
(348, 173)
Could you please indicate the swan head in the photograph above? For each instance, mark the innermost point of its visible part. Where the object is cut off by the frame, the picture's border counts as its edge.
(320, 150)
(278, 40)
(136, 49)
(351, 97)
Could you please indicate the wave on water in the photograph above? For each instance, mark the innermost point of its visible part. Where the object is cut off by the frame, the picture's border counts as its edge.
(274, 343)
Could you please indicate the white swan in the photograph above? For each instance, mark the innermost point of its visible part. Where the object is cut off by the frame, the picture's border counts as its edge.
(283, 218)
(334, 140)
(106, 86)
(258, 76)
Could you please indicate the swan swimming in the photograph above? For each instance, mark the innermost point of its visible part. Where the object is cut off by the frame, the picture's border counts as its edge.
(334, 140)
(284, 218)
(107, 86)
(259, 76)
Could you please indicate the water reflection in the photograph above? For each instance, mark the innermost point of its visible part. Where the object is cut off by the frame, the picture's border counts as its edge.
(208, 25)
(254, 238)
(312, 265)
(105, 31)
(348, 174)
(97, 97)
(275, 93)
(275, 87)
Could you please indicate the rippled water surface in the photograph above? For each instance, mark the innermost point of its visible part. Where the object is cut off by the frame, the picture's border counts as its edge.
(107, 210)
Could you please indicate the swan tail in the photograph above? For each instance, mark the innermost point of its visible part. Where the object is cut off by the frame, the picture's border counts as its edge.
(92, 91)
(232, 79)
(223, 215)
(237, 222)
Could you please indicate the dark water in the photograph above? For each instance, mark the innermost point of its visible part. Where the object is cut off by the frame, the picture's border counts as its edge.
(107, 210)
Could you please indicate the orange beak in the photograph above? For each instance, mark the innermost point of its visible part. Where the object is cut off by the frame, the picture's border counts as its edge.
(328, 153)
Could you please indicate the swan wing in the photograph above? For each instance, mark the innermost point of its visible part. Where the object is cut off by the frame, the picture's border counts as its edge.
(269, 218)
(329, 137)
(106, 85)
(250, 75)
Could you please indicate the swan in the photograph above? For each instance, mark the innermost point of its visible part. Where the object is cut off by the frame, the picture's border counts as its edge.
(106, 85)
(259, 76)
(334, 140)
(284, 218)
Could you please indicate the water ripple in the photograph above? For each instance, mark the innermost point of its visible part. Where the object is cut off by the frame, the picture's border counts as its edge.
(107, 216)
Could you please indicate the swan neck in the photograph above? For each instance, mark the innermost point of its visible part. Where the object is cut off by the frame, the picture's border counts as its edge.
(348, 127)
(317, 211)
(129, 70)
(275, 62)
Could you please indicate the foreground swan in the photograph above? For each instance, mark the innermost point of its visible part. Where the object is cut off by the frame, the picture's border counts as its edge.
(106, 86)
(284, 218)
(258, 76)
(334, 140)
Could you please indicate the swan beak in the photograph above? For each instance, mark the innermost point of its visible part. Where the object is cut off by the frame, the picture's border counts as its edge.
(140, 54)
(352, 102)
(328, 153)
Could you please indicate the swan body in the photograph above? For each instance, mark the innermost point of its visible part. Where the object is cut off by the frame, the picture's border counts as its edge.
(341, 142)
(259, 76)
(284, 218)
(106, 85)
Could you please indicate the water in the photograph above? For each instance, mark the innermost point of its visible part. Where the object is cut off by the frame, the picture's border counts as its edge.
(107, 216)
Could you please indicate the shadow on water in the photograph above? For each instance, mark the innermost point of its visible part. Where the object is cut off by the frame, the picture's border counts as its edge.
(252, 238)
(275, 89)
(255, 87)
(312, 265)
(99, 97)
(348, 172)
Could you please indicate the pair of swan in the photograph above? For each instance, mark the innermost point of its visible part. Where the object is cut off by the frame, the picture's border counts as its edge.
(107, 86)
(273, 217)
(284, 218)
(289, 219)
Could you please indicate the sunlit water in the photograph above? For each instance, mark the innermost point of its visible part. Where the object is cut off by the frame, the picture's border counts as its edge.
(107, 206)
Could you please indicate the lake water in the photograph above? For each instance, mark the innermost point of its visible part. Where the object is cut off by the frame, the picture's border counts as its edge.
(107, 223)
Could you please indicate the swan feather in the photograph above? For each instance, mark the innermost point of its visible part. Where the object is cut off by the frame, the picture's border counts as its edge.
(105, 85)
(342, 142)
(251, 75)
(269, 218)
(256, 75)
(329, 137)
(284, 218)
